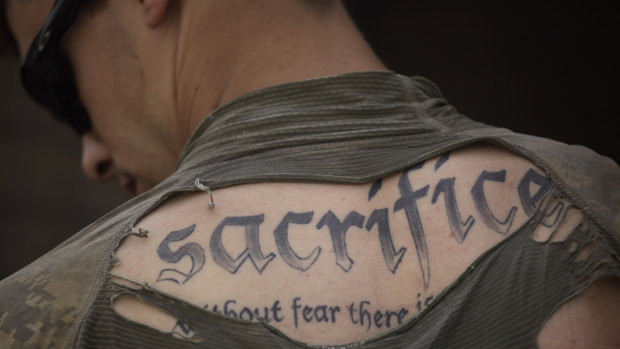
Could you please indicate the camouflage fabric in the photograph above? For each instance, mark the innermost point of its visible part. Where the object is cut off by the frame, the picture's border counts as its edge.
(353, 128)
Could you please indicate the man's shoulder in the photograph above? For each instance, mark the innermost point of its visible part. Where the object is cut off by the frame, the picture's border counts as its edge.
(590, 179)
(39, 303)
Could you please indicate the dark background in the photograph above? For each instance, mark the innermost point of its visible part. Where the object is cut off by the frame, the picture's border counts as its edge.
(548, 69)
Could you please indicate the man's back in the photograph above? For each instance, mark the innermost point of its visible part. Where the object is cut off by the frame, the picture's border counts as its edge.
(424, 234)
(345, 206)
(328, 263)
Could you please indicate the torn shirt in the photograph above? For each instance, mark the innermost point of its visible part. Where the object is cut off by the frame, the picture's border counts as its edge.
(353, 128)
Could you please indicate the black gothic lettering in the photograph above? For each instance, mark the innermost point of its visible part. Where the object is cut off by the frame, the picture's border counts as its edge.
(480, 200)
(457, 226)
(192, 250)
(527, 201)
(407, 201)
(337, 231)
(252, 251)
(374, 189)
(284, 247)
(392, 258)
(442, 160)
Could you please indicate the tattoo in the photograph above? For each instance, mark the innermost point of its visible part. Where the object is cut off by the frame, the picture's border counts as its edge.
(392, 258)
(319, 313)
(231, 309)
(531, 190)
(359, 313)
(407, 201)
(183, 330)
(548, 221)
(374, 189)
(457, 226)
(192, 250)
(337, 230)
(420, 305)
(529, 202)
(477, 192)
(442, 160)
(284, 247)
(252, 250)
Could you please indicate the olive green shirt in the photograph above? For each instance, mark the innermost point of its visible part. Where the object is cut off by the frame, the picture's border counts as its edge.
(353, 128)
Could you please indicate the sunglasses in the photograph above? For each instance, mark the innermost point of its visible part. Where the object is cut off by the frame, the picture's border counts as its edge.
(47, 76)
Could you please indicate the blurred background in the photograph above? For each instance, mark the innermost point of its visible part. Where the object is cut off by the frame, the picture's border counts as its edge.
(543, 68)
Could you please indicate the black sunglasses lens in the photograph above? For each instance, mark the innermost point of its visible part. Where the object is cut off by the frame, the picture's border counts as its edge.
(54, 89)
(44, 75)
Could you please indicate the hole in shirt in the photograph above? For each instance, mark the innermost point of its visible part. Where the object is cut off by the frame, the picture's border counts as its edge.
(572, 220)
(572, 247)
(587, 249)
(592, 264)
(134, 309)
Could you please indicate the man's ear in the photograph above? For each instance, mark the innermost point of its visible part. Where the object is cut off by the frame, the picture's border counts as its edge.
(154, 11)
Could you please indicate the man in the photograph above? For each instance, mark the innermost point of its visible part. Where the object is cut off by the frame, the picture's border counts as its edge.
(293, 191)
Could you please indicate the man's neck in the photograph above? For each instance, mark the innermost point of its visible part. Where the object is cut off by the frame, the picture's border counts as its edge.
(262, 46)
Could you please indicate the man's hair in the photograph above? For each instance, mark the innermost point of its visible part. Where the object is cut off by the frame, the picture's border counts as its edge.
(318, 6)
(8, 45)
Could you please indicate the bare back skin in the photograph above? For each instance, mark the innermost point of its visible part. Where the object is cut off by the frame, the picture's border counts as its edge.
(331, 264)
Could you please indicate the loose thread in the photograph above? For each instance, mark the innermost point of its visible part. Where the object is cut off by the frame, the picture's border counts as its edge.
(116, 276)
(206, 188)
(141, 233)
(115, 261)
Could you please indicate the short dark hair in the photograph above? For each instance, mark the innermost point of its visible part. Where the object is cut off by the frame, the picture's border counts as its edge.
(8, 45)
(318, 6)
